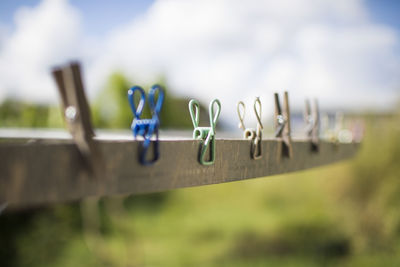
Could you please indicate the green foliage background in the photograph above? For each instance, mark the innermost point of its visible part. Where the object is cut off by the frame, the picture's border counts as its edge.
(111, 108)
(344, 214)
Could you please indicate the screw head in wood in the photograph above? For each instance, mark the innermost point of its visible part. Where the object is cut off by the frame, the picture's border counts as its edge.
(71, 113)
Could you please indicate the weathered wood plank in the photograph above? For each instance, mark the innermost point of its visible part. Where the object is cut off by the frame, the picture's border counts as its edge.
(46, 171)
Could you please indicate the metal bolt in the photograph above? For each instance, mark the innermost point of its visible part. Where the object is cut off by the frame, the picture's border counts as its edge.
(70, 113)
(280, 119)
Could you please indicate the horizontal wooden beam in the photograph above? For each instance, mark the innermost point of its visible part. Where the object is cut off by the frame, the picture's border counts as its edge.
(40, 171)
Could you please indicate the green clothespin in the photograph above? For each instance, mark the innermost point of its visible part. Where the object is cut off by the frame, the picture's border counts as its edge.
(206, 134)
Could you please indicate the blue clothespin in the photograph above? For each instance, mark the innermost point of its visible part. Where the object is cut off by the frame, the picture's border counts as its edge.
(146, 127)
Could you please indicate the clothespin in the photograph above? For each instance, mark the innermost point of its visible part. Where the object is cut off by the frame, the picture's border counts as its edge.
(146, 127)
(358, 130)
(282, 126)
(339, 125)
(331, 127)
(77, 115)
(342, 134)
(251, 134)
(206, 134)
(311, 118)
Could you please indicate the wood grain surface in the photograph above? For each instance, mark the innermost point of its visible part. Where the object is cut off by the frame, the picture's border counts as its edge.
(40, 171)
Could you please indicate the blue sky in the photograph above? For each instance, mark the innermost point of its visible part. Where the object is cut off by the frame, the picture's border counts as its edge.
(102, 16)
(385, 11)
(344, 52)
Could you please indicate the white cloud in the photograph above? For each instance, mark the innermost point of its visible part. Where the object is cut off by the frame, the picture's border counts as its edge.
(3, 34)
(227, 49)
(45, 35)
(232, 50)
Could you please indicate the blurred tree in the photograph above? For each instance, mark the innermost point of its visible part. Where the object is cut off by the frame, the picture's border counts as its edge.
(175, 113)
(15, 113)
(112, 110)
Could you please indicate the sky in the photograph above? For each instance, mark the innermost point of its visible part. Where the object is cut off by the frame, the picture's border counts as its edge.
(346, 53)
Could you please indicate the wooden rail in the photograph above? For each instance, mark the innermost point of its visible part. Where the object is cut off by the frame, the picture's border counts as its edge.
(39, 171)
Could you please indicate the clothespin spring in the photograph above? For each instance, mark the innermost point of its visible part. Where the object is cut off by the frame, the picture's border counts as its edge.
(282, 126)
(206, 134)
(254, 135)
(146, 127)
(311, 118)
